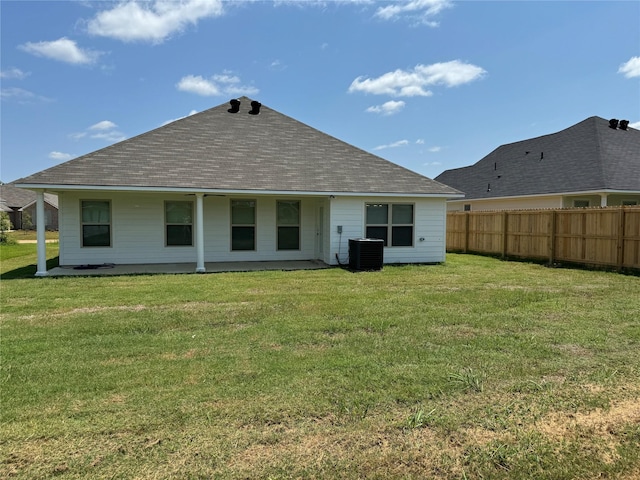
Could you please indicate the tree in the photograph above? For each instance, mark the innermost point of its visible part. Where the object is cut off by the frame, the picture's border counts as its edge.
(5, 226)
(27, 223)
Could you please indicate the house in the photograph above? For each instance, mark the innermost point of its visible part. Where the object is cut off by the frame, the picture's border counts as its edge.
(20, 205)
(593, 163)
(239, 183)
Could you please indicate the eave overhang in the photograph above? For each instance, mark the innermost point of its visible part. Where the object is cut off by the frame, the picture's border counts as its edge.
(214, 191)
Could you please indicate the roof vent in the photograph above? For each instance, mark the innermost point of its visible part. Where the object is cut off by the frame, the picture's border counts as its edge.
(623, 124)
(235, 106)
(255, 108)
(613, 123)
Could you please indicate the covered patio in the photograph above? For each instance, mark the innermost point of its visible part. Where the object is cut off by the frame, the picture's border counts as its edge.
(181, 268)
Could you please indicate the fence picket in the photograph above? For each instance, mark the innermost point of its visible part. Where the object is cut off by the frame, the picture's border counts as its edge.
(608, 236)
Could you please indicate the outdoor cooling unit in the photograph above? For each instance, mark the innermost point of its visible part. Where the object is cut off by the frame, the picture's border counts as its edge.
(365, 253)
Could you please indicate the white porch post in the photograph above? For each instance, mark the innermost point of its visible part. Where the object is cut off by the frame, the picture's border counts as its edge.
(40, 236)
(603, 199)
(200, 233)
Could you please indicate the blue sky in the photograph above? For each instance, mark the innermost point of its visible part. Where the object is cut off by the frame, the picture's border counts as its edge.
(428, 84)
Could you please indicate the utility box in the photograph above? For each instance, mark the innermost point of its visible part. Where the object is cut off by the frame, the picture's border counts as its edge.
(366, 254)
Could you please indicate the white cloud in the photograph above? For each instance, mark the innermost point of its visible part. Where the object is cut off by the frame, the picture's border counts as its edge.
(77, 136)
(13, 72)
(277, 65)
(18, 93)
(112, 136)
(198, 85)
(21, 95)
(103, 125)
(192, 112)
(104, 130)
(435, 149)
(389, 108)
(60, 156)
(151, 21)
(432, 164)
(635, 125)
(420, 141)
(412, 83)
(631, 68)
(399, 143)
(219, 84)
(421, 11)
(63, 50)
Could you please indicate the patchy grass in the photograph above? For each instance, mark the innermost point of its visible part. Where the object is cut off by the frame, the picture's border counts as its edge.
(473, 369)
(30, 235)
(19, 260)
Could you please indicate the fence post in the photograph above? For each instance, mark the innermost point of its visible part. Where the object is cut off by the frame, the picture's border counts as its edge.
(552, 237)
(620, 241)
(505, 240)
(466, 232)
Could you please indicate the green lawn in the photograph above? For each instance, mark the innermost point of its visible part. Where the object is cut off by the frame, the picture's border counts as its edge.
(19, 235)
(473, 369)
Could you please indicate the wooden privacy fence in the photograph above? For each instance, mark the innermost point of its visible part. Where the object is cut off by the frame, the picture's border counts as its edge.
(599, 236)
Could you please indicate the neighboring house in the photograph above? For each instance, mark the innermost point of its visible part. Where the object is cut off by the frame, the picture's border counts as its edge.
(20, 204)
(245, 183)
(593, 163)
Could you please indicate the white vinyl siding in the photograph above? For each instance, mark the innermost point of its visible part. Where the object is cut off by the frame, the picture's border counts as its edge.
(519, 203)
(429, 229)
(138, 231)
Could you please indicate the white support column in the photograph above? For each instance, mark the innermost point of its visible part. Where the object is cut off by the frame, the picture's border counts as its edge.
(40, 236)
(603, 199)
(200, 233)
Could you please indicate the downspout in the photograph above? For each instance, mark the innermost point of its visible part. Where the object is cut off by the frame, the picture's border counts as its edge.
(200, 233)
(40, 235)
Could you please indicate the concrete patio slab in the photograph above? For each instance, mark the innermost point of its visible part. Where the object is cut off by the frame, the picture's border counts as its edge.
(181, 268)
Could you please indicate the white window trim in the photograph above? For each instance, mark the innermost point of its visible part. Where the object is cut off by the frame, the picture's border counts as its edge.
(110, 223)
(299, 225)
(166, 224)
(254, 225)
(390, 223)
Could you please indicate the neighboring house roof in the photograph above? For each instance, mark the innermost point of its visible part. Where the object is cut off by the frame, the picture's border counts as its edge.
(588, 156)
(15, 198)
(217, 150)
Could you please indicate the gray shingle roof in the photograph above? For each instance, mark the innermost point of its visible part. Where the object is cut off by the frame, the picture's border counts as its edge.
(16, 198)
(584, 157)
(218, 150)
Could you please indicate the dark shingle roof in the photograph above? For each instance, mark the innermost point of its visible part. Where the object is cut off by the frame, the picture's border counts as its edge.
(218, 150)
(584, 157)
(16, 198)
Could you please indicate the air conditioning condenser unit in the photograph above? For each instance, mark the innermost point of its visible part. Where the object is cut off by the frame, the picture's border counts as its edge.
(366, 254)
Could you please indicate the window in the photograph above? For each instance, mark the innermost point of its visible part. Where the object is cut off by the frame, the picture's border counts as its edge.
(288, 224)
(178, 219)
(96, 223)
(243, 224)
(390, 221)
(467, 207)
(581, 203)
(629, 202)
